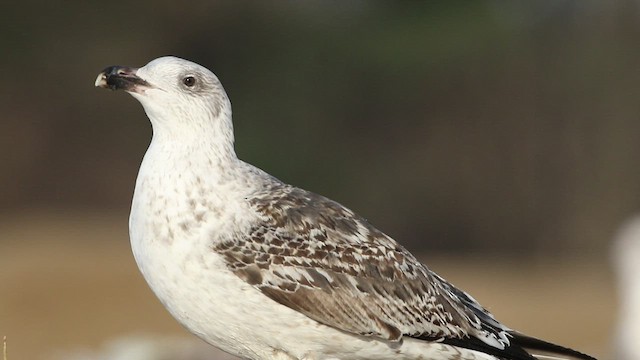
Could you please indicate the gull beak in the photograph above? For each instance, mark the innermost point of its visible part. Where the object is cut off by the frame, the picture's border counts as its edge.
(121, 78)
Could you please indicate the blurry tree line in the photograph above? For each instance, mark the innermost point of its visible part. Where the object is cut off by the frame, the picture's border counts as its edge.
(508, 127)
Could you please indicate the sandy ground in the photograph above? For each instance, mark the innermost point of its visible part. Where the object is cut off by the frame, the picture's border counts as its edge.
(68, 281)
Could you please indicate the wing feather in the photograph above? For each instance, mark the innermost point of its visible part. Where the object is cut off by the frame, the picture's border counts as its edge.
(319, 258)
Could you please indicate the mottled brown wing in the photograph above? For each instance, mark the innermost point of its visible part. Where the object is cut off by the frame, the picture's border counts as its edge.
(319, 258)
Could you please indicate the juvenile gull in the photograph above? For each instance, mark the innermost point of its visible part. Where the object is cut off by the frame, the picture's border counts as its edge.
(265, 270)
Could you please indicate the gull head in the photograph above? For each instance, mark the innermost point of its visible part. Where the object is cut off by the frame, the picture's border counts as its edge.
(176, 94)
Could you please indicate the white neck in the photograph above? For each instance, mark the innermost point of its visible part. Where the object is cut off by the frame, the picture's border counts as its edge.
(187, 129)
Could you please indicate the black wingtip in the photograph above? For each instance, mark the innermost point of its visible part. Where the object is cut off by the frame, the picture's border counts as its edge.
(521, 347)
(541, 347)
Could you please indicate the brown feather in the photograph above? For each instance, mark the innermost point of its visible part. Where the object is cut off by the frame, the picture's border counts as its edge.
(319, 258)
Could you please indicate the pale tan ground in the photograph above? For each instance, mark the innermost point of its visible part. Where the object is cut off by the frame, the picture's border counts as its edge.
(69, 281)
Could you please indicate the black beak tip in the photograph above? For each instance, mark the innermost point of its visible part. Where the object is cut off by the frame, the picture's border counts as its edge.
(119, 77)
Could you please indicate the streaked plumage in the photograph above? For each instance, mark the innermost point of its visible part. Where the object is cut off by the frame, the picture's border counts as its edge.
(265, 270)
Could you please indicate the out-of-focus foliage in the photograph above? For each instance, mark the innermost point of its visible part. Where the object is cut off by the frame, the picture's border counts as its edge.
(499, 126)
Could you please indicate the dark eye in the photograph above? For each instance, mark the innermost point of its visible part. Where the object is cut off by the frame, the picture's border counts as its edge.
(189, 81)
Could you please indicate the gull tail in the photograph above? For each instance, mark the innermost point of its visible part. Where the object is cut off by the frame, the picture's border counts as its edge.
(543, 350)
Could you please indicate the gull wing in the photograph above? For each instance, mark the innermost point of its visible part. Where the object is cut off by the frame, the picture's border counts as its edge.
(319, 258)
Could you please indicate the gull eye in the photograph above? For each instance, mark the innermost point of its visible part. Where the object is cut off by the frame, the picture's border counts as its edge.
(189, 81)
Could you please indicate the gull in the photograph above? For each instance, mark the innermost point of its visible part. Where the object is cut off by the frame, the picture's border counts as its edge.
(265, 270)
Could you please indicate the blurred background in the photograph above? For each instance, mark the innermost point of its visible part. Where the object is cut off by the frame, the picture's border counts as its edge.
(497, 140)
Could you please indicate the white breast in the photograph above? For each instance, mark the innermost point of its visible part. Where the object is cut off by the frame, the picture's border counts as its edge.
(176, 216)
